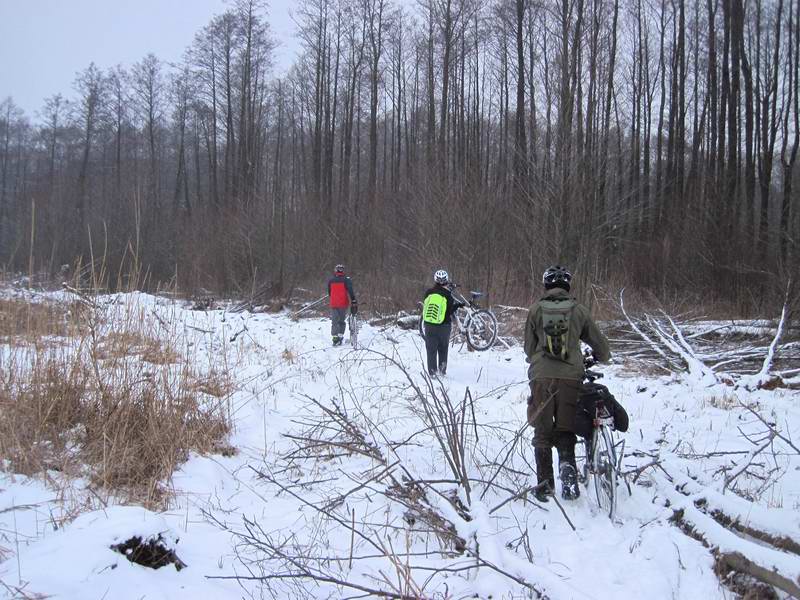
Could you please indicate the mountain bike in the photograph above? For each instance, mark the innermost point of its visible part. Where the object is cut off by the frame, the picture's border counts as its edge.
(352, 324)
(478, 325)
(602, 463)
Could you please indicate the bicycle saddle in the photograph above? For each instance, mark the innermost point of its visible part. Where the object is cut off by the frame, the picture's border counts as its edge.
(475, 294)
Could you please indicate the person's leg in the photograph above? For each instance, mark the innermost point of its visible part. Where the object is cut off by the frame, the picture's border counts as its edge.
(431, 345)
(443, 347)
(564, 437)
(540, 415)
(338, 316)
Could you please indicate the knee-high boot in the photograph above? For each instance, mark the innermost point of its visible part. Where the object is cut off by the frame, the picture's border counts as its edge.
(544, 473)
(567, 469)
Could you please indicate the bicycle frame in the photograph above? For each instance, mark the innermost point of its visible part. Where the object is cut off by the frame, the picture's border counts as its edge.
(605, 475)
(462, 319)
(352, 323)
(478, 325)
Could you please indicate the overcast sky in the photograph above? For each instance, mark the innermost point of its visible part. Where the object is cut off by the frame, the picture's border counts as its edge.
(43, 43)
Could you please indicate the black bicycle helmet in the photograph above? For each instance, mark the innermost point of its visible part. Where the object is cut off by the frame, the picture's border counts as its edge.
(556, 276)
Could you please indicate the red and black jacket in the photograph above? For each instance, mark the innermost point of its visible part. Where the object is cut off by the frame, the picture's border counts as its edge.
(340, 290)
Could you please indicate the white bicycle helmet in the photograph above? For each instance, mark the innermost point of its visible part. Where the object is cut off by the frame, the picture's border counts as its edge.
(441, 277)
(339, 269)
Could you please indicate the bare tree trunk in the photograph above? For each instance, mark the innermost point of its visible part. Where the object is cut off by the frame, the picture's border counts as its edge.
(520, 141)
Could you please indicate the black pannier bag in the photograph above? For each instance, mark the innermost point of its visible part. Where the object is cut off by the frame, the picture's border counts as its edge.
(590, 395)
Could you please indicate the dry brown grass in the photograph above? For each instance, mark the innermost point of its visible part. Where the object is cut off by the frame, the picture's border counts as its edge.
(118, 345)
(218, 385)
(23, 322)
(40, 408)
(723, 401)
(137, 435)
(123, 409)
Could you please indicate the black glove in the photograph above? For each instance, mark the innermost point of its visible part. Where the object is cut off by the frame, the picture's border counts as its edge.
(354, 308)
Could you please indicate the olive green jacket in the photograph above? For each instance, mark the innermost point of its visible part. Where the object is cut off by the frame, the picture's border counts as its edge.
(581, 328)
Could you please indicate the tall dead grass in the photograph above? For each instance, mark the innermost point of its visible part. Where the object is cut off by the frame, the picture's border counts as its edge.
(26, 322)
(113, 401)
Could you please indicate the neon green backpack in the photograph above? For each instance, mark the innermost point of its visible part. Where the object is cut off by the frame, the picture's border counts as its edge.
(556, 314)
(434, 309)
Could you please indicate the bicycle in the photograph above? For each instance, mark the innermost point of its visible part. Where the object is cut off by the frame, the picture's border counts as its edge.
(479, 325)
(352, 324)
(602, 464)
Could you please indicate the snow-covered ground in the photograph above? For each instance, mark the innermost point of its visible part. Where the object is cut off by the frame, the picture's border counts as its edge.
(353, 513)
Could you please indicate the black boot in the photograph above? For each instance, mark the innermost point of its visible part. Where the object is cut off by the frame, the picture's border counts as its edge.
(569, 481)
(544, 474)
(567, 469)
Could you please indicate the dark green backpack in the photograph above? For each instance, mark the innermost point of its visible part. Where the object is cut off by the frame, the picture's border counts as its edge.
(556, 313)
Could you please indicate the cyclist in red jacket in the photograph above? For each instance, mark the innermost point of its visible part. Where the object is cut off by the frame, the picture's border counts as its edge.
(340, 290)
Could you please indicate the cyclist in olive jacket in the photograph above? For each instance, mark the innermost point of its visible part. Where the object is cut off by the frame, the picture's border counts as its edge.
(437, 310)
(556, 325)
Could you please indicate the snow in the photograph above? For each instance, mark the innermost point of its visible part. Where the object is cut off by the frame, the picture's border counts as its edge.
(56, 535)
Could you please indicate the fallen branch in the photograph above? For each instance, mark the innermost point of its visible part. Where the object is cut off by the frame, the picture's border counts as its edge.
(736, 561)
(747, 461)
(641, 333)
(770, 426)
(771, 526)
(762, 377)
(765, 564)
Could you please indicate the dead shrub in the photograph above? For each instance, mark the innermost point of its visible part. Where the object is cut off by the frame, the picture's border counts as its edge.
(138, 434)
(125, 424)
(119, 344)
(23, 322)
(40, 409)
(158, 354)
(723, 402)
(218, 385)
(122, 344)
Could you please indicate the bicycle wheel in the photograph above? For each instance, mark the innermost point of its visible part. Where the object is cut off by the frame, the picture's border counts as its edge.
(482, 330)
(353, 324)
(604, 470)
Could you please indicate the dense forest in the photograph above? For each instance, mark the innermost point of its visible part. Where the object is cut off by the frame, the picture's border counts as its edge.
(645, 143)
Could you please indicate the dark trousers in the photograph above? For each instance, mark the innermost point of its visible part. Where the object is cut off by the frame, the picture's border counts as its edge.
(437, 341)
(338, 316)
(552, 412)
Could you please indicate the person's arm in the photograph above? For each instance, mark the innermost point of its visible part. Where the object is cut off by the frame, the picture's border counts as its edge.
(531, 339)
(452, 304)
(452, 299)
(592, 335)
(349, 285)
(329, 287)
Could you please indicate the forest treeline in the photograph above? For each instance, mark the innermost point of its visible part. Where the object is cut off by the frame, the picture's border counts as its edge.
(645, 143)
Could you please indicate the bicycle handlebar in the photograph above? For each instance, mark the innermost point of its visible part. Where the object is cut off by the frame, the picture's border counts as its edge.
(588, 362)
(592, 375)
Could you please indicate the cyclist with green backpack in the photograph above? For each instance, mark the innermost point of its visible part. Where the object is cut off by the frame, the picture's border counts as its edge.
(556, 325)
(437, 309)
